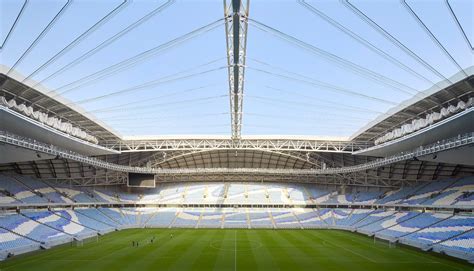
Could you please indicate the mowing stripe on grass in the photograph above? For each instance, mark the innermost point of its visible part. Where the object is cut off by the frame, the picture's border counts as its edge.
(226, 250)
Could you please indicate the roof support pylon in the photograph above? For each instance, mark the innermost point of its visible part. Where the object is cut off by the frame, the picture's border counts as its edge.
(236, 24)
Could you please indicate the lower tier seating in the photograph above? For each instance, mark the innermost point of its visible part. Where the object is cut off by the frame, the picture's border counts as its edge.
(31, 229)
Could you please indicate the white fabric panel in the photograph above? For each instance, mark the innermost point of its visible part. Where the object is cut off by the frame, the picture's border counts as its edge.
(418, 124)
(44, 118)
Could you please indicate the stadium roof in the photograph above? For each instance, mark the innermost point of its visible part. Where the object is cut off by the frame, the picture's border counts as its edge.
(291, 79)
(57, 106)
(417, 107)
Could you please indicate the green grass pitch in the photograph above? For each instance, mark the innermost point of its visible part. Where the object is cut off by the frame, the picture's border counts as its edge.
(215, 249)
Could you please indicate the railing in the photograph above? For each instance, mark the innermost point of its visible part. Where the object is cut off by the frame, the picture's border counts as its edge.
(354, 205)
(461, 140)
(264, 144)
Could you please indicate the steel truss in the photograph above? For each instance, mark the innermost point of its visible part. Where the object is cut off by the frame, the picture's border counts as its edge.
(160, 158)
(353, 179)
(236, 14)
(452, 143)
(111, 178)
(293, 145)
(122, 204)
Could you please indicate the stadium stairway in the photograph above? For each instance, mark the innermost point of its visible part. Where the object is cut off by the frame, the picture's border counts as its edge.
(370, 219)
(151, 217)
(308, 195)
(174, 219)
(248, 219)
(297, 219)
(222, 221)
(199, 220)
(96, 215)
(108, 216)
(272, 220)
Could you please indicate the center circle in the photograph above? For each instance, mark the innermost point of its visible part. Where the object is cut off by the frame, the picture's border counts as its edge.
(232, 245)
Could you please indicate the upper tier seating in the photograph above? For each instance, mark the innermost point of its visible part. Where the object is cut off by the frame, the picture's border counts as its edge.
(256, 194)
(19, 191)
(49, 192)
(236, 194)
(195, 194)
(216, 193)
(425, 193)
(367, 197)
(24, 189)
(297, 194)
(317, 194)
(457, 193)
(172, 193)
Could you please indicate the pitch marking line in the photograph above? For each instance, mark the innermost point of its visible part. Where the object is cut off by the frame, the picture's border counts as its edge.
(254, 245)
(235, 249)
(353, 252)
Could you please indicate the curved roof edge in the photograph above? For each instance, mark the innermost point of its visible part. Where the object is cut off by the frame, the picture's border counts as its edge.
(48, 93)
(422, 95)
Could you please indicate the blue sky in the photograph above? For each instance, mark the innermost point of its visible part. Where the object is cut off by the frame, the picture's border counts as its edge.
(199, 102)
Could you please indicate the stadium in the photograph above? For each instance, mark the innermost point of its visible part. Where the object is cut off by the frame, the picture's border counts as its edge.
(236, 135)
